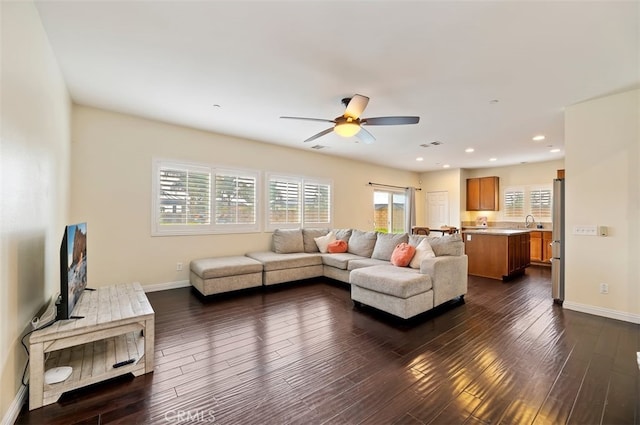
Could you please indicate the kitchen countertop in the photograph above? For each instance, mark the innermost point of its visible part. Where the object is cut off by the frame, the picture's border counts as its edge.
(469, 229)
(496, 232)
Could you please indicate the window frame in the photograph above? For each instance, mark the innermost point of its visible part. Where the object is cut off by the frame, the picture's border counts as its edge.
(508, 211)
(158, 229)
(389, 225)
(302, 182)
(535, 210)
(528, 208)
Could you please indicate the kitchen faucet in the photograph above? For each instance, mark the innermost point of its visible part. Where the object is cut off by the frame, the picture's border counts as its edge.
(526, 221)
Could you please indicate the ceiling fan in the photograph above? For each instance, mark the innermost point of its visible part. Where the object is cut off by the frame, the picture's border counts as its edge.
(350, 124)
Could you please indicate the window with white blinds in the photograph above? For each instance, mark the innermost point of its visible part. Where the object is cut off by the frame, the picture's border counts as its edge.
(285, 202)
(200, 199)
(514, 202)
(317, 204)
(297, 202)
(235, 199)
(184, 196)
(522, 201)
(540, 200)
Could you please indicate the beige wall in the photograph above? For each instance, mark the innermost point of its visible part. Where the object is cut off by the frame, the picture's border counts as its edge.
(34, 161)
(603, 188)
(111, 188)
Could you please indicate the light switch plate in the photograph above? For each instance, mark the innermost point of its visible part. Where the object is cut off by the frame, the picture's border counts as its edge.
(586, 230)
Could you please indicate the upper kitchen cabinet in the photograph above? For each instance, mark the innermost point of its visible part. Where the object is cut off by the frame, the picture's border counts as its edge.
(483, 193)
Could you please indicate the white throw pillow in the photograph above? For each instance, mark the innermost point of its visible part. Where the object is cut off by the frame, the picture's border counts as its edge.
(423, 250)
(324, 241)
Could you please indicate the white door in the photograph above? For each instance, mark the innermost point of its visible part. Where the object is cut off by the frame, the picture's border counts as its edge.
(437, 209)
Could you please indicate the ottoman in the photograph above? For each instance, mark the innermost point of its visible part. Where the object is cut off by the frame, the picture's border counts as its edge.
(401, 291)
(223, 274)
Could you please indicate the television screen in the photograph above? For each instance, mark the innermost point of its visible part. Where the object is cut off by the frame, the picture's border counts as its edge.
(73, 268)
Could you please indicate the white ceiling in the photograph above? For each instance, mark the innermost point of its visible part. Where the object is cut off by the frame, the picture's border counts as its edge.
(443, 61)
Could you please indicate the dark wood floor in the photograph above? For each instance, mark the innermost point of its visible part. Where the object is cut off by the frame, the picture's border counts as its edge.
(301, 354)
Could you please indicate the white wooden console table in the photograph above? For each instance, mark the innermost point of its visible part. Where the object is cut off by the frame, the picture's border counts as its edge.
(117, 325)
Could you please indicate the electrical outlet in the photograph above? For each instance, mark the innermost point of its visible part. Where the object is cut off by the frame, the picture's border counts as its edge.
(604, 288)
(179, 267)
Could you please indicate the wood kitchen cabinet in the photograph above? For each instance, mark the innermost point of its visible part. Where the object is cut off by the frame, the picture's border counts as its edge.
(540, 247)
(483, 193)
(499, 254)
(546, 247)
(536, 246)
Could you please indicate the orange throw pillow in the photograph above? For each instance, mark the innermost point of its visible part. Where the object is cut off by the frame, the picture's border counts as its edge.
(402, 255)
(337, 246)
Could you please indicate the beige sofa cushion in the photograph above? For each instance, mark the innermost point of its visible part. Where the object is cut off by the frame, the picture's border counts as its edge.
(441, 245)
(362, 243)
(399, 282)
(339, 261)
(274, 261)
(366, 262)
(386, 243)
(343, 234)
(308, 238)
(209, 268)
(286, 241)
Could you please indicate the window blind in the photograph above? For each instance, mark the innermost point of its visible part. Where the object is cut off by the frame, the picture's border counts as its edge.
(514, 203)
(285, 201)
(540, 200)
(235, 201)
(184, 197)
(317, 203)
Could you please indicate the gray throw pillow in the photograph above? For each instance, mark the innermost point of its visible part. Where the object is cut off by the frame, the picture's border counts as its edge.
(386, 243)
(286, 241)
(308, 236)
(362, 243)
(442, 245)
(343, 234)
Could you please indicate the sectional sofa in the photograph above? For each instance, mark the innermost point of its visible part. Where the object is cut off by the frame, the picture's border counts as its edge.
(430, 280)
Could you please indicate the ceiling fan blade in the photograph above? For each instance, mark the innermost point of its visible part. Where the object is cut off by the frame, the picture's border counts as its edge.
(322, 133)
(356, 106)
(390, 120)
(309, 119)
(365, 136)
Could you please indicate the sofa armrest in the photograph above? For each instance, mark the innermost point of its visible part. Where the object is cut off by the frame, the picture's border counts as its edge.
(448, 276)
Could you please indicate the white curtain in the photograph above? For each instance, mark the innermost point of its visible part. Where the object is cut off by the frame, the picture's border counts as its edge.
(410, 211)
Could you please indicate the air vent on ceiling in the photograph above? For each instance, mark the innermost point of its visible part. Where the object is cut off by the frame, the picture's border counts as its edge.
(318, 147)
(428, 145)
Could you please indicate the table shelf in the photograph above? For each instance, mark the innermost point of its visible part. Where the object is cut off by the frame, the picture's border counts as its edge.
(117, 325)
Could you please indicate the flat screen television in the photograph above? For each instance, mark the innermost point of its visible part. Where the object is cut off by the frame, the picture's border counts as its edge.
(73, 268)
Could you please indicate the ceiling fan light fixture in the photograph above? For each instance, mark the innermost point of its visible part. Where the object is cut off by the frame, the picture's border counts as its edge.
(347, 129)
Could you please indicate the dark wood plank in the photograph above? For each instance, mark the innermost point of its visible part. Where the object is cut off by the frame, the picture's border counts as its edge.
(301, 354)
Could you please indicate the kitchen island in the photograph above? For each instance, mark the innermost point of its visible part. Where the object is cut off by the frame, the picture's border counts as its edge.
(497, 253)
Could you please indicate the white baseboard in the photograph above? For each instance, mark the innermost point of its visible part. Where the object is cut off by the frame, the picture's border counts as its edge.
(604, 312)
(16, 405)
(165, 286)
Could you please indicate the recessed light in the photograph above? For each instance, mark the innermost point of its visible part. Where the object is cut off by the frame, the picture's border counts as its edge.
(419, 158)
(469, 150)
(494, 101)
(493, 159)
(446, 166)
(216, 105)
(538, 138)
(555, 150)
